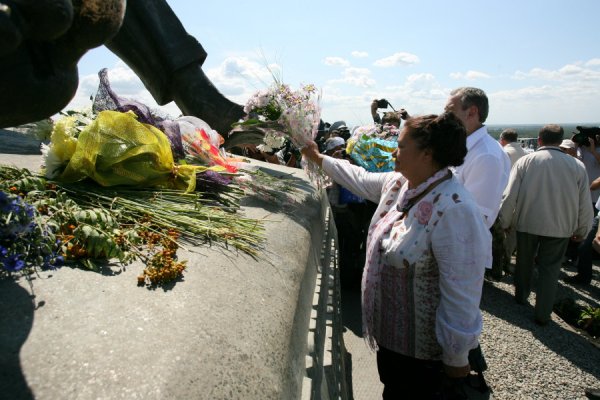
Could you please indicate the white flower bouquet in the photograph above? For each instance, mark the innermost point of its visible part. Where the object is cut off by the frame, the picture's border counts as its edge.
(280, 112)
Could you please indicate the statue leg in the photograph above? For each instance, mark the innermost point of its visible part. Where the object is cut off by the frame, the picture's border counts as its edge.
(153, 42)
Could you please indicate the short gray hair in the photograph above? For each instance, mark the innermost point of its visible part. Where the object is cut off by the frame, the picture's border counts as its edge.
(470, 96)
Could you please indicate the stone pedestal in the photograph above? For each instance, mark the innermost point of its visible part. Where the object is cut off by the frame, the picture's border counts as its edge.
(233, 328)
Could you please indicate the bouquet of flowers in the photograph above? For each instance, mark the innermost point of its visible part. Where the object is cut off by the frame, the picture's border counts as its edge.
(371, 147)
(124, 183)
(281, 112)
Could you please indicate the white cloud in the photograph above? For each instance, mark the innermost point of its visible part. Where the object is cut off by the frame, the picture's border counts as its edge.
(336, 62)
(594, 62)
(528, 93)
(569, 72)
(567, 94)
(536, 73)
(570, 69)
(360, 77)
(239, 77)
(419, 94)
(572, 101)
(124, 82)
(242, 69)
(414, 79)
(397, 59)
(360, 54)
(469, 75)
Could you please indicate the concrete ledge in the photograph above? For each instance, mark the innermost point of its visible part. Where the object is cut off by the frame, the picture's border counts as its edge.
(234, 328)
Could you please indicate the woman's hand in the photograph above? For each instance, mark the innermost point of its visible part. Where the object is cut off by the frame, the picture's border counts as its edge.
(311, 152)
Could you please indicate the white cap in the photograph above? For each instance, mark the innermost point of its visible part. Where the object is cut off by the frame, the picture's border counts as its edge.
(334, 142)
(568, 144)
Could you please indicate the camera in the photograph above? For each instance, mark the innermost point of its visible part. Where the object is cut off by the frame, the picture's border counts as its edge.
(582, 138)
(383, 103)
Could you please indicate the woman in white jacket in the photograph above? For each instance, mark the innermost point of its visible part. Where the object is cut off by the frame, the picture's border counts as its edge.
(426, 251)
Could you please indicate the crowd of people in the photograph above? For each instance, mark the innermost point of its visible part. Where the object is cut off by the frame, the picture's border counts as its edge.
(456, 208)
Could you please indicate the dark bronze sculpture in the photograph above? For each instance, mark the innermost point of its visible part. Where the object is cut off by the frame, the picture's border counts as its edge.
(41, 42)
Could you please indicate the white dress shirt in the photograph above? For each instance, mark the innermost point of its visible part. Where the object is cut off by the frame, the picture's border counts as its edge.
(485, 172)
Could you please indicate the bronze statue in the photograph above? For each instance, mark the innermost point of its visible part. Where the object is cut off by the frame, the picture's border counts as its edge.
(41, 42)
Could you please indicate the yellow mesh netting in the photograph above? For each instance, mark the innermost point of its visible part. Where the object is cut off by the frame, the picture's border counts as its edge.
(117, 149)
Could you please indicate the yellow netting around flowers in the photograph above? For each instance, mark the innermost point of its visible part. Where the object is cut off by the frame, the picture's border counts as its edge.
(117, 149)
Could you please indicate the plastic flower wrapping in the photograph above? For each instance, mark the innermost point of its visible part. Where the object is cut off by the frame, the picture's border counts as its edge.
(371, 147)
(280, 112)
(123, 142)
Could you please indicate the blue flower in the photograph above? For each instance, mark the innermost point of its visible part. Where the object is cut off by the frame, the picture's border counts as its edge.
(4, 202)
(29, 211)
(15, 206)
(13, 263)
(24, 241)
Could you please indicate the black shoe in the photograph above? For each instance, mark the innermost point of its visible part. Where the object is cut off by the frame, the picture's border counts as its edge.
(592, 393)
(521, 302)
(540, 322)
(577, 280)
(570, 263)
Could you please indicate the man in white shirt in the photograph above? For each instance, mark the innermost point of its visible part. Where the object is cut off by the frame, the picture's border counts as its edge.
(484, 173)
(486, 167)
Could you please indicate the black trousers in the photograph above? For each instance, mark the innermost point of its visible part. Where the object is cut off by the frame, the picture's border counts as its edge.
(406, 377)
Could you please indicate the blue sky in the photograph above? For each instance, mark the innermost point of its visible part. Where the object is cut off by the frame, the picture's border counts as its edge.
(538, 61)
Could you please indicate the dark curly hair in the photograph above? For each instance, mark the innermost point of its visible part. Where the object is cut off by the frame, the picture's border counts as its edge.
(444, 134)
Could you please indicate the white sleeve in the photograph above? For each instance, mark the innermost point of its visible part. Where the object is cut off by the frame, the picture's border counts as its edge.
(509, 198)
(359, 181)
(585, 216)
(461, 244)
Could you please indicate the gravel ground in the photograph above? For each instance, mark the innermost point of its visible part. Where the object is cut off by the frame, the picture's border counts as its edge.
(527, 361)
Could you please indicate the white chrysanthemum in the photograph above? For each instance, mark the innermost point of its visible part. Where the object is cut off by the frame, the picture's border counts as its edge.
(52, 162)
(264, 148)
(273, 141)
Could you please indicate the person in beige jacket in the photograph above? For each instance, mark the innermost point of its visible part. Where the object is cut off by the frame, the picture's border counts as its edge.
(547, 201)
(510, 145)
